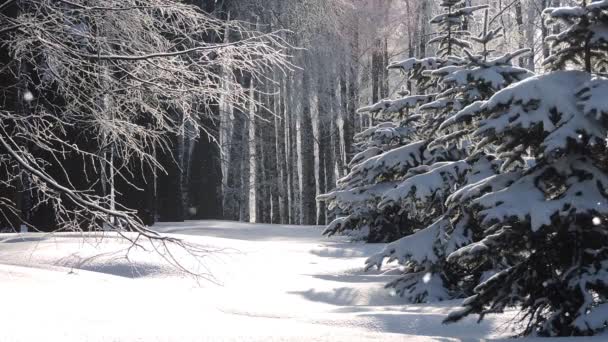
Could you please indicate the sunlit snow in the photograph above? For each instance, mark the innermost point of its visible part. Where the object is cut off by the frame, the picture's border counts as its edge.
(269, 283)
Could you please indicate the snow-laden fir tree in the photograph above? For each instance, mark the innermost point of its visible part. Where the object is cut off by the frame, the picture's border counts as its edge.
(546, 223)
(453, 34)
(378, 169)
(425, 189)
(386, 151)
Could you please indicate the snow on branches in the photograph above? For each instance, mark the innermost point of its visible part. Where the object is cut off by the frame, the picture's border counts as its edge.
(103, 89)
(559, 118)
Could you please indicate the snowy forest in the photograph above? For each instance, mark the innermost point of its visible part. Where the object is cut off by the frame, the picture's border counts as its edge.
(439, 168)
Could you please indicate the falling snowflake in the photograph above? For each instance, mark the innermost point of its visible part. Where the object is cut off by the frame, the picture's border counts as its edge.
(426, 278)
(28, 96)
(596, 221)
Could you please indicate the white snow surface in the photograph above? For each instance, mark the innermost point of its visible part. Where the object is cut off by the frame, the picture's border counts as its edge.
(271, 283)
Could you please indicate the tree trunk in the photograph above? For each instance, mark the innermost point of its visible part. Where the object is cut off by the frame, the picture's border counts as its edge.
(307, 182)
(326, 141)
(347, 121)
(321, 142)
(271, 161)
(353, 92)
(235, 187)
(384, 66)
(253, 159)
(258, 165)
(293, 161)
(280, 131)
(519, 20)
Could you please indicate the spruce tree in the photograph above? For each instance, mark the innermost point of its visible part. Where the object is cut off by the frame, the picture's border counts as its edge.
(380, 167)
(386, 152)
(545, 221)
(467, 83)
(452, 24)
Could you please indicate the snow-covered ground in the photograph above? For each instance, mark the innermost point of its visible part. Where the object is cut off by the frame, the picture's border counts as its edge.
(270, 283)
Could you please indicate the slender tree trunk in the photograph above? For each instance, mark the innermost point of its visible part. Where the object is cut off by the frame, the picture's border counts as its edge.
(245, 177)
(326, 141)
(272, 164)
(258, 165)
(530, 31)
(376, 73)
(385, 61)
(294, 160)
(280, 131)
(322, 133)
(253, 161)
(235, 187)
(423, 24)
(347, 121)
(544, 31)
(307, 182)
(519, 20)
(353, 90)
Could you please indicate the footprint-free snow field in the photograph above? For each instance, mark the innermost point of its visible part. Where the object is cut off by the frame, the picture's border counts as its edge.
(263, 283)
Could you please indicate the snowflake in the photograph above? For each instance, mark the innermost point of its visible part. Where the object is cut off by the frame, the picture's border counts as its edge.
(28, 96)
(426, 278)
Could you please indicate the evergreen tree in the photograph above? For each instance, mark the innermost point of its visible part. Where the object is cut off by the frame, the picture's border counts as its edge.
(386, 152)
(424, 190)
(453, 27)
(545, 221)
(387, 155)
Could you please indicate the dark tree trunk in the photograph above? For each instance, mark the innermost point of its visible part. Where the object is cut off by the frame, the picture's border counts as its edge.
(347, 119)
(519, 19)
(376, 73)
(307, 185)
(353, 92)
(384, 66)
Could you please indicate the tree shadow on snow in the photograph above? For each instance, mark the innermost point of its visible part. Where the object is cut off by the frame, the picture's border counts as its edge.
(333, 252)
(387, 313)
(348, 296)
(109, 263)
(356, 278)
